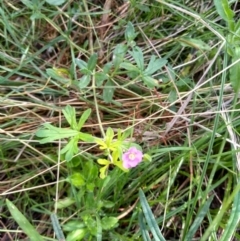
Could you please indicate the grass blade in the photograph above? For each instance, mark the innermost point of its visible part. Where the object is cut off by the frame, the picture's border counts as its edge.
(198, 220)
(57, 227)
(143, 228)
(153, 226)
(24, 224)
(233, 220)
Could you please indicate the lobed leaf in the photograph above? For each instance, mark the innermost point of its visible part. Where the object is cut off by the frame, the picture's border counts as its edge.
(83, 118)
(154, 65)
(137, 54)
(51, 133)
(70, 115)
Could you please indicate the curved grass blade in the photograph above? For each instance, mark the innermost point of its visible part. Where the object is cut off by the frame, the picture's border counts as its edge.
(153, 226)
(233, 220)
(24, 224)
(143, 228)
(198, 220)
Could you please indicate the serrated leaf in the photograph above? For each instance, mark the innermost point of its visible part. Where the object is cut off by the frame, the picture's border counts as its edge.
(137, 54)
(55, 2)
(109, 222)
(108, 91)
(92, 62)
(51, 133)
(154, 65)
(23, 222)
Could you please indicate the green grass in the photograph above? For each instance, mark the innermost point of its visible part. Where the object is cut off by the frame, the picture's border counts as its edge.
(188, 123)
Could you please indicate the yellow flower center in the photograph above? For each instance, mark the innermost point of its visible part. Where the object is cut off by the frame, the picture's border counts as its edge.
(131, 156)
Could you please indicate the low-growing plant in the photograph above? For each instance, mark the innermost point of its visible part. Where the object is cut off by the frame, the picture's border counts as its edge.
(117, 151)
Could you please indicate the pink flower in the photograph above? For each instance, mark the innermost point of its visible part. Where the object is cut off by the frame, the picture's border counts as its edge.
(132, 157)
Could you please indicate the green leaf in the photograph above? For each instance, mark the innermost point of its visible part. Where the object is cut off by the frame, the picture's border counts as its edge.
(109, 135)
(77, 180)
(59, 75)
(70, 115)
(118, 54)
(108, 204)
(107, 67)
(122, 135)
(103, 171)
(51, 133)
(151, 221)
(70, 149)
(55, 2)
(143, 228)
(90, 171)
(224, 10)
(137, 54)
(73, 225)
(83, 118)
(103, 162)
(90, 223)
(198, 219)
(77, 234)
(64, 203)
(85, 137)
(235, 71)
(92, 62)
(109, 222)
(84, 81)
(154, 65)
(194, 43)
(28, 3)
(100, 77)
(23, 222)
(149, 81)
(147, 158)
(81, 64)
(233, 221)
(130, 34)
(108, 91)
(129, 67)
